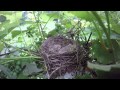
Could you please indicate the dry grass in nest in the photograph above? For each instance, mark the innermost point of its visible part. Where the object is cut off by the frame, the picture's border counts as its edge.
(62, 55)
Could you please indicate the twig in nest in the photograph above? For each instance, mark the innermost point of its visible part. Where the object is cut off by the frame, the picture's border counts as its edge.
(55, 71)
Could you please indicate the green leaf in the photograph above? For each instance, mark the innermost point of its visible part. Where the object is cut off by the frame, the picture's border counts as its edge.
(15, 33)
(30, 69)
(115, 26)
(115, 36)
(7, 22)
(20, 39)
(7, 72)
(98, 18)
(102, 55)
(29, 22)
(116, 47)
(15, 17)
(44, 17)
(53, 15)
(1, 46)
(83, 15)
(52, 33)
(2, 33)
(85, 76)
(8, 29)
(21, 76)
(5, 32)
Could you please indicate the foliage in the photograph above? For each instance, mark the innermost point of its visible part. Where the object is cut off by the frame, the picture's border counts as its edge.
(22, 33)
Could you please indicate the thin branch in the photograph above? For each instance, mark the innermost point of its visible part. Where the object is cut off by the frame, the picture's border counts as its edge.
(7, 53)
(89, 38)
(54, 71)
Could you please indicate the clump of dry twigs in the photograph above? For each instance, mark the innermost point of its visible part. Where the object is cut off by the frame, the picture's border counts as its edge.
(62, 55)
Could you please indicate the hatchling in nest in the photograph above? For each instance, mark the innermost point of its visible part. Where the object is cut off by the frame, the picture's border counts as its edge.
(64, 58)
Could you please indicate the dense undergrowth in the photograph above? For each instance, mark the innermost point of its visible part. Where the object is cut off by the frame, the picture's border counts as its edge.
(22, 33)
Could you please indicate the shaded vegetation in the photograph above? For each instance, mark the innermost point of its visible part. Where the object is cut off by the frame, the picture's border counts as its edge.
(23, 32)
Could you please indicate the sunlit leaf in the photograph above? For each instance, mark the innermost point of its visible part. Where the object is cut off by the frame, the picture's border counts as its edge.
(15, 33)
(20, 39)
(8, 29)
(53, 14)
(5, 32)
(4, 23)
(83, 15)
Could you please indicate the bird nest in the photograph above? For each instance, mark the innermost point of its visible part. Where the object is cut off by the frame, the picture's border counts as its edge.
(62, 55)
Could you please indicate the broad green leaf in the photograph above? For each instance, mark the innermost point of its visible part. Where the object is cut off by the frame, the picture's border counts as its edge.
(15, 33)
(13, 24)
(53, 14)
(115, 26)
(67, 13)
(7, 72)
(6, 32)
(20, 39)
(102, 55)
(116, 47)
(8, 29)
(3, 24)
(99, 20)
(29, 22)
(1, 46)
(21, 76)
(83, 15)
(115, 36)
(68, 25)
(15, 17)
(52, 33)
(31, 68)
(44, 17)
